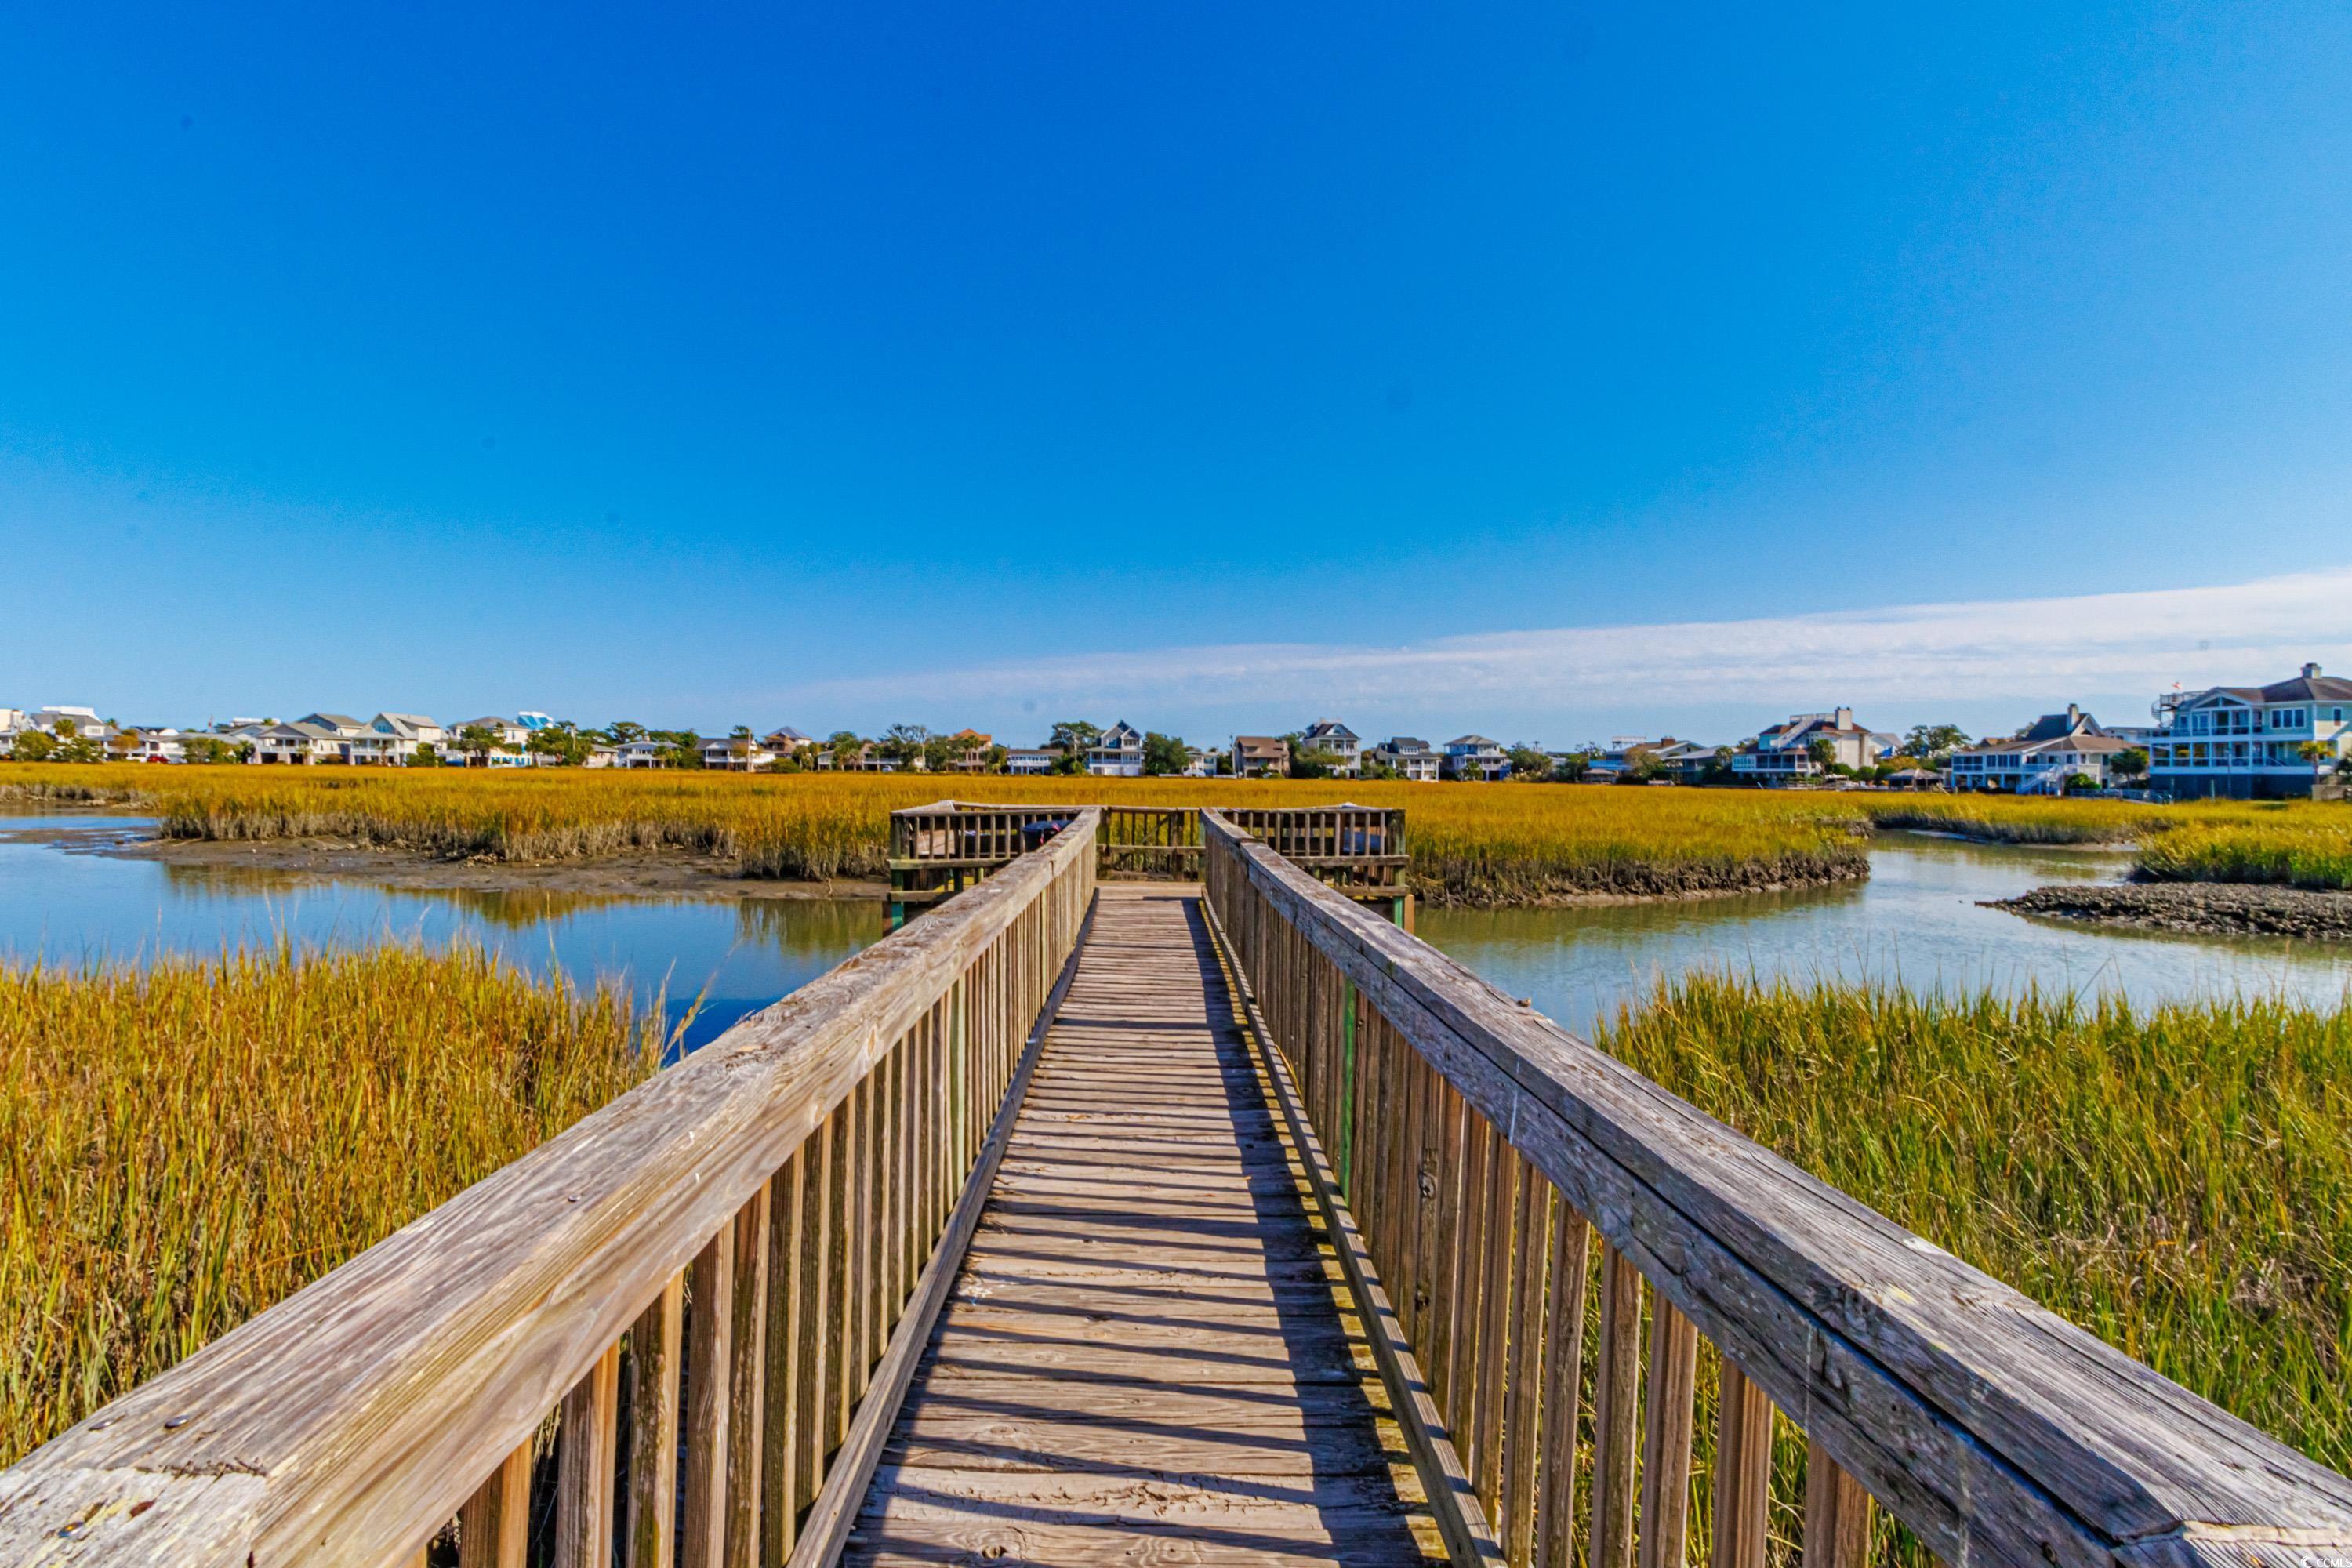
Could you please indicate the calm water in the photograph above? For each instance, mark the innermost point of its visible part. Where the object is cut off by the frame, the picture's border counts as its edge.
(1917, 918)
(61, 902)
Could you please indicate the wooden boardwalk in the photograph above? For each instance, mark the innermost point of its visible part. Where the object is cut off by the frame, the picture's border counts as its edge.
(1149, 1355)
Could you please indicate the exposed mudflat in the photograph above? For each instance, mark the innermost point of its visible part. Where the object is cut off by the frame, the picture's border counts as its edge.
(648, 873)
(2233, 908)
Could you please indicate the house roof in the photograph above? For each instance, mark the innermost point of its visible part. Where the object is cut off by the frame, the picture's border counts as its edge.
(487, 721)
(786, 733)
(1120, 734)
(2309, 688)
(1474, 741)
(1260, 743)
(1402, 744)
(335, 720)
(1329, 729)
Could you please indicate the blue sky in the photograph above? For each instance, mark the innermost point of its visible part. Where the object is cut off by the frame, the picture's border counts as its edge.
(1213, 366)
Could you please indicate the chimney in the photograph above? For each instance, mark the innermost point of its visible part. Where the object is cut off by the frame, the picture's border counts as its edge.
(1844, 717)
(2310, 671)
(2073, 715)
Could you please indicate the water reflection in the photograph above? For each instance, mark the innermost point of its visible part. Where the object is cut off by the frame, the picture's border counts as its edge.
(711, 962)
(1917, 919)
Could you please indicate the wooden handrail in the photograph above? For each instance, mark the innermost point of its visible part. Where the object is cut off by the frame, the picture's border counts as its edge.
(797, 1172)
(1467, 1128)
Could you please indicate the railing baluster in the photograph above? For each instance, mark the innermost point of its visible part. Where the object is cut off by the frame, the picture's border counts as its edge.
(1837, 1513)
(583, 1472)
(1571, 1245)
(710, 1281)
(1666, 1436)
(653, 1356)
(1613, 1412)
(747, 1369)
(1524, 1385)
(813, 1288)
(780, 1497)
(1496, 1295)
(1743, 1472)
(494, 1527)
(1444, 1240)
(1469, 1288)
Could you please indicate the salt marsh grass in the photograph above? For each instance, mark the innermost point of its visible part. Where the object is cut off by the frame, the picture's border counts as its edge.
(182, 1146)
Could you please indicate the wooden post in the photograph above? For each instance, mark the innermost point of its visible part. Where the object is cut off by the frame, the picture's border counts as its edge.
(583, 1474)
(1666, 1436)
(494, 1527)
(709, 1354)
(746, 1375)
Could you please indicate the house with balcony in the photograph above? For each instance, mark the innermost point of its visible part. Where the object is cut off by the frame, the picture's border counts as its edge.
(1476, 758)
(404, 732)
(1201, 764)
(1335, 741)
(148, 743)
(787, 742)
(1783, 754)
(303, 742)
(736, 754)
(1032, 762)
(1116, 753)
(2245, 742)
(1409, 757)
(640, 753)
(512, 736)
(1261, 757)
(971, 750)
(2041, 758)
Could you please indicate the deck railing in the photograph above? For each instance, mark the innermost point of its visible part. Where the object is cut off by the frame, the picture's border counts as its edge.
(735, 1260)
(1479, 1148)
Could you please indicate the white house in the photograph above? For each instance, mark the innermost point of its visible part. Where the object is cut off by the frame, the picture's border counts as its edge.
(1118, 752)
(2245, 742)
(786, 741)
(1199, 763)
(512, 738)
(736, 755)
(1409, 757)
(151, 743)
(642, 753)
(2041, 758)
(404, 732)
(1344, 745)
(1474, 757)
(303, 742)
(1031, 761)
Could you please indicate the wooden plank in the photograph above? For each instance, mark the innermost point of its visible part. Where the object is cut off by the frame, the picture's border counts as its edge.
(1927, 1381)
(583, 1471)
(1672, 1388)
(1071, 1406)
(494, 1527)
(656, 1354)
(1743, 1473)
(1613, 1411)
(779, 1495)
(711, 1284)
(812, 1287)
(423, 1362)
(1524, 1383)
(835, 1508)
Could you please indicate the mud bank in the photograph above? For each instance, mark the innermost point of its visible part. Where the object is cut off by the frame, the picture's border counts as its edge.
(2229, 909)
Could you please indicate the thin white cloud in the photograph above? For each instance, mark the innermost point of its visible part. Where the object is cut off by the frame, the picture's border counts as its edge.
(1953, 652)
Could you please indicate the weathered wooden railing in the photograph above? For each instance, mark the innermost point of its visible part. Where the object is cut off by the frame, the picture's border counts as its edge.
(1469, 1147)
(938, 850)
(737, 1261)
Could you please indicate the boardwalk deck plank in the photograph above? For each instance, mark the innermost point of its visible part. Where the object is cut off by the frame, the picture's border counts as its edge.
(1149, 1355)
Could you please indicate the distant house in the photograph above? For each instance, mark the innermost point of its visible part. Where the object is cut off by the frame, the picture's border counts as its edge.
(1686, 762)
(1345, 746)
(1409, 757)
(1783, 754)
(642, 753)
(786, 741)
(509, 733)
(1118, 752)
(2039, 758)
(1475, 758)
(971, 750)
(1261, 756)
(399, 735)
(733, 754)
(601, 757)
(2245, 742)
(1201, 764)
(1031, 761)
(301, 743)
(150, 743)
(1674, 762)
